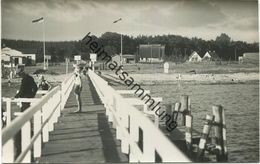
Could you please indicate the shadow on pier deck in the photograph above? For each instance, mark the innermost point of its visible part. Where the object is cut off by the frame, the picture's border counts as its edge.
(83, 137)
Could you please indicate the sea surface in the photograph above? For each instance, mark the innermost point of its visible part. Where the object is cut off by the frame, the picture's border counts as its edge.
(241, 104)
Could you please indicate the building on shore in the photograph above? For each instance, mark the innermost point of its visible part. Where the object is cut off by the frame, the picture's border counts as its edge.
(211, 56)
(127, 58)
(11, 57)
(250, 57)
(194, 57)
(151, 53)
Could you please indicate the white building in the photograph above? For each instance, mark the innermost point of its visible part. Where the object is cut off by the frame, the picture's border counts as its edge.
(194, 57)
(12, 57)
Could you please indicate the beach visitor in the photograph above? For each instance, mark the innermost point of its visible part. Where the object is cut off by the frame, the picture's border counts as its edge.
(78, 88)
(44, 84)
(84, 71)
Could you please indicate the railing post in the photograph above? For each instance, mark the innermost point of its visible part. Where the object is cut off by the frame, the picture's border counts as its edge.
(37, 147)
(26, 139)
(8, 111)
(62, 95)
(124, 125)
(134, 135)
(115, 111)
(45, 130)
(8, 151)
(148, 149)
(8, 148)
(119, 116)
(50, 104)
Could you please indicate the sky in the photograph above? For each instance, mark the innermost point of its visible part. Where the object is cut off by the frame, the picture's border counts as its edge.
(72, 19)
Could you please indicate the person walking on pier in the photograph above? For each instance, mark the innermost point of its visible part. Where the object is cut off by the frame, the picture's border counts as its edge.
(78, 88)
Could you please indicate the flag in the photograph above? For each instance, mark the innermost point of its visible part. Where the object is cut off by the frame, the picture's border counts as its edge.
(117, 20)
(38, 20)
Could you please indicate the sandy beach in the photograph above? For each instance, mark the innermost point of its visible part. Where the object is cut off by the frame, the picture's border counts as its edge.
(161, 78)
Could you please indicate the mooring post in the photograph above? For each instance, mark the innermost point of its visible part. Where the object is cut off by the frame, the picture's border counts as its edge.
(168, 110)
(217, 112)
(205, 133)
(185, 107)
(188, 131)
(224, 136)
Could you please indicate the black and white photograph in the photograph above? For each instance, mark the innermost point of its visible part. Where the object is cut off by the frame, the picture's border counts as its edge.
(129, 81)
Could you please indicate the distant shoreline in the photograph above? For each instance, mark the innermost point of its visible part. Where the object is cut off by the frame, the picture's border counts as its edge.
(194, 79)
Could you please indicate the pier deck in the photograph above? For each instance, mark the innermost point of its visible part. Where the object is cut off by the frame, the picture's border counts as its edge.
(83, 137)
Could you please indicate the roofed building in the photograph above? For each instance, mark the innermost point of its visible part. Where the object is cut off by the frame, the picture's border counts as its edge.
(151, 53)
(11, 57)
(127, 58)
(194, 57)
(251, 57)
(211, 56)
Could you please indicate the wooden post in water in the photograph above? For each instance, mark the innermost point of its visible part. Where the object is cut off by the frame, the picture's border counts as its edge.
(204, 137)
(224, 136)
(176, 111)
(218, 129)
(185, 107)
(188, 131)
(168, 110)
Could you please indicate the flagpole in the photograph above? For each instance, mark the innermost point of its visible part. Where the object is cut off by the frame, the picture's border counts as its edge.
(121, 56)
(43, 33)
(121, 41)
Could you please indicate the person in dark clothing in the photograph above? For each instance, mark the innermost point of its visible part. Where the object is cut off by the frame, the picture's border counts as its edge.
(28, 88)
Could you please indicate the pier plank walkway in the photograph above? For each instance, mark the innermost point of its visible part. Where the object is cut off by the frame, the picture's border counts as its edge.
(83, 137)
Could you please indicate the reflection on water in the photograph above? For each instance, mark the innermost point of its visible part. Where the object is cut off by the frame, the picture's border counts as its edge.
(241, 104)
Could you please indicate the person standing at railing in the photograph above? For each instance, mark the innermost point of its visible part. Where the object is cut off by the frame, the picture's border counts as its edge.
(78, 88)
(44, 84)
(28, 89)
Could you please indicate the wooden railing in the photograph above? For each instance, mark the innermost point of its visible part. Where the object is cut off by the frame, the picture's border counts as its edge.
(42, 114)
(140, 138)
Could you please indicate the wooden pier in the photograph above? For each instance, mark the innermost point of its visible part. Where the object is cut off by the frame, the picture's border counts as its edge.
(83, 137)
(110, 128)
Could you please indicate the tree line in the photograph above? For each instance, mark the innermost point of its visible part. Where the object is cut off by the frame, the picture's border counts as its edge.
(176, 47)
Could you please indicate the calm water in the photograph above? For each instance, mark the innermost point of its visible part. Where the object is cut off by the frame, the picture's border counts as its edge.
(241, 103)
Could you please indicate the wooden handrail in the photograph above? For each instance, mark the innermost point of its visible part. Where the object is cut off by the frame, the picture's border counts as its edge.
(17, 124)
(127, 120)
(44, 111)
